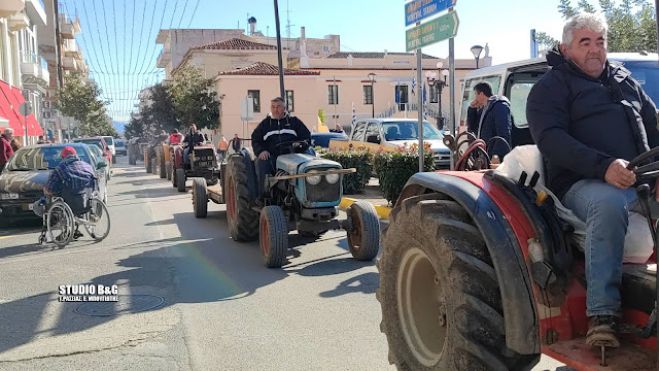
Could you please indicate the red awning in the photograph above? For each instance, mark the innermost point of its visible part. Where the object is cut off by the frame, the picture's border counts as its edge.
(11, 99)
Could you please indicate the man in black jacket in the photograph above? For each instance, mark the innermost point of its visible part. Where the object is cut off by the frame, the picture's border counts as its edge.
(589, 118)
(495, 121)
(191, 140)
(279, 127)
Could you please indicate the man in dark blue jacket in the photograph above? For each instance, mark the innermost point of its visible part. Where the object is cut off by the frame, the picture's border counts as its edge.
(495, 120)
(279, 127)
(589, 118)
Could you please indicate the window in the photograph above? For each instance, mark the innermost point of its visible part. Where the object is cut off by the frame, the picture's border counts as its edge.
(360, 129)
(468, 93)
(290, 101)
(402, 97)
(434, 93)
(373, 130)
(332, 94)
(368, 94)
(256, 99)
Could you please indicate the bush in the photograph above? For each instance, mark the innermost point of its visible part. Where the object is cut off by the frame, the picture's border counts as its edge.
(355, 182)
(395, 169)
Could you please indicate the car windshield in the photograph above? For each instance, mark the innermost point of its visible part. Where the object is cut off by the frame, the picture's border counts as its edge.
(109, 140)
(407, 130)
(120, 144)
(90, 141)
(40, 158)
(647, 74)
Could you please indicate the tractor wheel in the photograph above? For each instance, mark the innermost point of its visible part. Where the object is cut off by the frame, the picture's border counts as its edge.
(168, 171)
(364, 238)
(241, 219)
(212, 181)
(273, 236)
(441, 307)
(163, 169)
(199, 197)
(173, 171)
(154, 167)
(180, 180)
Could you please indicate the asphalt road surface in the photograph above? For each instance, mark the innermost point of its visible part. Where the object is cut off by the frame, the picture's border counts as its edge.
(190, 298)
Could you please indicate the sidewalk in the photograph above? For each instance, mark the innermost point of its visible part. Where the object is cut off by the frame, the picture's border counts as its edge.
(370, 194)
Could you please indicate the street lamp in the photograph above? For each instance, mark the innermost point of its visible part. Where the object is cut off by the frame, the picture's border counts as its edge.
(476, 50)
(438, 80)
(371, 78)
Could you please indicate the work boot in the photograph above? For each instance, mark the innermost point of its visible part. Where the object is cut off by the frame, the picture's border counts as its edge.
(602, 332)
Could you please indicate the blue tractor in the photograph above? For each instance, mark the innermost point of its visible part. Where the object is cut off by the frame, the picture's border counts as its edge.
(303, 195)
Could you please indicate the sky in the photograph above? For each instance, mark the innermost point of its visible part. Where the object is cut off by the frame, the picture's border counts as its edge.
(118, 36)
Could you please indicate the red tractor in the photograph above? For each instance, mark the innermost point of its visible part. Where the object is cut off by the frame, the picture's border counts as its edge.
(478, 273)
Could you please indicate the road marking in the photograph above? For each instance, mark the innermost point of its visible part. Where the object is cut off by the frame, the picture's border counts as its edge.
(3, 237)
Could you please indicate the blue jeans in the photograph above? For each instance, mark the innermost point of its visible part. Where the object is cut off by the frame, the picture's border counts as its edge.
(263, 168)
(605, 210)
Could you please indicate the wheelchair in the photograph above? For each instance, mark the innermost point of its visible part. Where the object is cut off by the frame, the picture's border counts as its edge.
(61, 222)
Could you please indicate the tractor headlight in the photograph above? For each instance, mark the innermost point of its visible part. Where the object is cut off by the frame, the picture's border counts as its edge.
(332, 178)
(314, 179)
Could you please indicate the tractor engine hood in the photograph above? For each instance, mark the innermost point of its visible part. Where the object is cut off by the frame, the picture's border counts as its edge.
(297, 163)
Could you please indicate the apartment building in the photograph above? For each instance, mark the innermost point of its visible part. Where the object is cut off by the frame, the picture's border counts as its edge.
(22, 76)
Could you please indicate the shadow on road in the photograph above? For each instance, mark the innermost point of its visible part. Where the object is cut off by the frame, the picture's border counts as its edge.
(366, 283)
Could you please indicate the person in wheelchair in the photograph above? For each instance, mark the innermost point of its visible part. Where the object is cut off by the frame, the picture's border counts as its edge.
(71, 180)
(278, 128)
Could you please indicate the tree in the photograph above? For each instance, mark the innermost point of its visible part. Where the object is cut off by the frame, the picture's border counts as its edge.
(135, 128)
(158, 113)
(79, 99)
(632, 23)
(194, 99)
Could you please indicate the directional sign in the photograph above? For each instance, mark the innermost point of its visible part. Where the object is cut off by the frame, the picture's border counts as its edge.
(422, 9)
(438, 29)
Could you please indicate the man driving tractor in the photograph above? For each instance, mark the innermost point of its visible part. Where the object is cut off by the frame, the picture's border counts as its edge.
(191, 140)
(277, 128)
(589, 118)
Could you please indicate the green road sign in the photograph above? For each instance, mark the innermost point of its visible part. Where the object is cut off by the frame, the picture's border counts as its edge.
(437, 30)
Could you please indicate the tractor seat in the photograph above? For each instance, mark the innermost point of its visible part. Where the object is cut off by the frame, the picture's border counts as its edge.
(527, 158)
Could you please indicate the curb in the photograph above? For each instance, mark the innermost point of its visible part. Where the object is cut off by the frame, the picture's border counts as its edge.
(382, 210)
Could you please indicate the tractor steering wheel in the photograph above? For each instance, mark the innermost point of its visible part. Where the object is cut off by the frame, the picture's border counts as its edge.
(292, 146)
(651, 168)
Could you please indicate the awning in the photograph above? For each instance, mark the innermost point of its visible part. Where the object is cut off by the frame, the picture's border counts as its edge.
(11, 99)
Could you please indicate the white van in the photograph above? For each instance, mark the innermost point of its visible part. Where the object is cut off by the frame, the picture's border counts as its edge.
(110, 142)
(515, 80)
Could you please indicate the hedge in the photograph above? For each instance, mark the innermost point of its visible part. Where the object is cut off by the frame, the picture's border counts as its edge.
(395, 169)
(362, 161)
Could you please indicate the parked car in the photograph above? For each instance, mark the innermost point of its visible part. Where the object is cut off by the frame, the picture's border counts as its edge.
(22, 181)
(323, 139)
(389, 134)
(101, 143)
(120, 146)
(98, 156)
(110, 142)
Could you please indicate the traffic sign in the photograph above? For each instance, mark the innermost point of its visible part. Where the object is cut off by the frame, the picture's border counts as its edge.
(437, 30)
(417, 10)
(25, 108)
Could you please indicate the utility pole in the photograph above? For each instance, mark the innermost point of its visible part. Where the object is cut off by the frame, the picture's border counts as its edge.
(58, 61)
(282, 92)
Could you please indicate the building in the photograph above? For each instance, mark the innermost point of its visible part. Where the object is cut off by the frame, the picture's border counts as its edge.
(23, 78)
(72, 61)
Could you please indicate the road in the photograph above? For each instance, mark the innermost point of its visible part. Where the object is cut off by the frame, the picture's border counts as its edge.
(190, 298)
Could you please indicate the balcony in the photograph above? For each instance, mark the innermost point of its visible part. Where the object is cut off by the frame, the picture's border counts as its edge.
(36, 12)
(71, 49)
(34, 71)
(69, 29)
(163, 59)
(18, 21)
(9, 7)
(69, 64)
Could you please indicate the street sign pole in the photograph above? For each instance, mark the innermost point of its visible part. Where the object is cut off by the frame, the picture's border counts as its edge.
(451, 61)
(420, 103)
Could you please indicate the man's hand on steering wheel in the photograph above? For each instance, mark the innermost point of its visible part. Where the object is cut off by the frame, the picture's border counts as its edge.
(264, 155)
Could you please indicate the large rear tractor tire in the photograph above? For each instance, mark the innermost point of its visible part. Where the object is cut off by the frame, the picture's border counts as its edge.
(173, 176)
(243, 222)
(163, 169)
(147, 165)
(441, 307)
(199, 197)
(273, 236)
(364, 237)
(169, 171)
(180, 180)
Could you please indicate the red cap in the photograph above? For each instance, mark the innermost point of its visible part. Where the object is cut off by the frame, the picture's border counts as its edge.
(68, 151)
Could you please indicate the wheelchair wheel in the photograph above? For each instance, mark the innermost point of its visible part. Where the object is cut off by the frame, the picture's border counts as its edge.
(59, 224)
(97, 220)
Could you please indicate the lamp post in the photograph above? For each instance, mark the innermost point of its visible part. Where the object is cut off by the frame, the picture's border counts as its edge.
(438, 81)
(371, 78)
(476, 50)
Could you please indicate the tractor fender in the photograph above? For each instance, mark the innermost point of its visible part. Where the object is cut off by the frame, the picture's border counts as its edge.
(522, 327)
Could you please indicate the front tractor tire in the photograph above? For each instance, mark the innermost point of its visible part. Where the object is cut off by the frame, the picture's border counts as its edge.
(441, 307)
(199, 197)
(243, 222)
(364, 235)
(180, 180)
(273, 236)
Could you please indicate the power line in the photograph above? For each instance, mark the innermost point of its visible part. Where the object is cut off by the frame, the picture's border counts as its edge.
(139, 48)
(185, 5)
(194, 12)
(162, 18)
(105, 23)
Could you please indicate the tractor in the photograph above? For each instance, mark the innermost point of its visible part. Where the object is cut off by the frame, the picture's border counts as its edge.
(302, 195)
(202, 164)
(478, 272)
